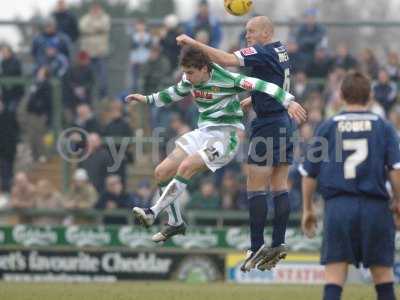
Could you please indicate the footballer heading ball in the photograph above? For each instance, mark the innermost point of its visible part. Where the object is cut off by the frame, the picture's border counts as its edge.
(238, 7)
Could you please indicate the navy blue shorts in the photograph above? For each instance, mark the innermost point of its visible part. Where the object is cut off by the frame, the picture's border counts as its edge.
(271, 141)
(358, 230)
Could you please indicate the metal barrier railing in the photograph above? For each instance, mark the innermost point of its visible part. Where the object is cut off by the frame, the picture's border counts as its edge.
(218, 218)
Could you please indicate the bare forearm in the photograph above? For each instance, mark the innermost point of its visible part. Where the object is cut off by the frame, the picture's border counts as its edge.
(309, 185)
(394, 177)
(219, 56)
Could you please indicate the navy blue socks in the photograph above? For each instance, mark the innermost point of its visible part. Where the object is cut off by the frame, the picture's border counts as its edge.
(258, 210)
(281, 217)
(332, 292)
(385, 291)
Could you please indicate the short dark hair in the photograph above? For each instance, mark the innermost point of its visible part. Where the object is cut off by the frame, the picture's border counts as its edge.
(356, 88)
(192, 57)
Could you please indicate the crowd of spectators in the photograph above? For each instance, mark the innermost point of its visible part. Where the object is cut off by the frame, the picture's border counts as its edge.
(75, 52)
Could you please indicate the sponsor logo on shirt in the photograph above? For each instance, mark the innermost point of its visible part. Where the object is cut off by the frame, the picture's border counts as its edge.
(202, 94)
(248, 51)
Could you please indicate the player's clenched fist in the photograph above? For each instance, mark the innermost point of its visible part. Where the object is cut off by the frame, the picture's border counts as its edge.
(134, 98)
(184, 39)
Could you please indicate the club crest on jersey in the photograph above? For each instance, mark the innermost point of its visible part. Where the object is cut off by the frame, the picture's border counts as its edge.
(202, 94)
(248, 51)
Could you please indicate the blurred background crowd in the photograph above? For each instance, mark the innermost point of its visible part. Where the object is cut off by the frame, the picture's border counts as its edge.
(74, 48)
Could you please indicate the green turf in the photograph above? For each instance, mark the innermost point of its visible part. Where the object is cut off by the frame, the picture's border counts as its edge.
(172, 291)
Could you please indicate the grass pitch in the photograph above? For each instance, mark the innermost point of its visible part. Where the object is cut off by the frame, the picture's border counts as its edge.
(172, 291)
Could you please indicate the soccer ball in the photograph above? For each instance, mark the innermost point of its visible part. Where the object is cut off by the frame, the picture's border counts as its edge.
(238, 7)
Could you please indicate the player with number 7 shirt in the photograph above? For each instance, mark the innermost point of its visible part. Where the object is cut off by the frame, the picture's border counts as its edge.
(215, 142)
(268, 162)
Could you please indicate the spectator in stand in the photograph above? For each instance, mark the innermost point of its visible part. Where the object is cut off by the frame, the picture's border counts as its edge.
(80, 81)
(343, 59)
(393, 65)
(112, 198)
(321, 65)
(384, 90)
(175, 125)
(156, 73)
(98, 161)
(334, 106)
(118, 128)
(144, 195)
(204, 21)
(39, 110)
(332, 86)
(23, 196)
(310, 35)
(86, 120)
(315, 117)
(49, 37)
(377, 108)
(56, 62)
(206, 198)
(306, 132)
(297, 61)
(10, 67)
(141, 43)
(9, 134)
(168, 40)
(301, 87)
(178, 126)
(368, 63)
(203, 37)
(95, 30)
(232, 196)
(394, 117)
(66, 21)
(47, 197)
(82, 193)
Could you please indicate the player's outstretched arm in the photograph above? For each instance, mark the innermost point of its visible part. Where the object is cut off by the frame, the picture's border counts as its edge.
(135, 98)
(172, 94)
(295, 110)
(219, 56)
(309, 218)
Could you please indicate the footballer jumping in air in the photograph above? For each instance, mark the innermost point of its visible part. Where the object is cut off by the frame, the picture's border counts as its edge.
(267, 175)
(215, 142)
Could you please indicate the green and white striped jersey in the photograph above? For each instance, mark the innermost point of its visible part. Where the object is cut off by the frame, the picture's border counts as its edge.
(217, 98)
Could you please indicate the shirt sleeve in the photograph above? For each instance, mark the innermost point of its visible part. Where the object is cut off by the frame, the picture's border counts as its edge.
(252, 56)
(172, 94)
(312, 162)
(392, 155)
(255, 84)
